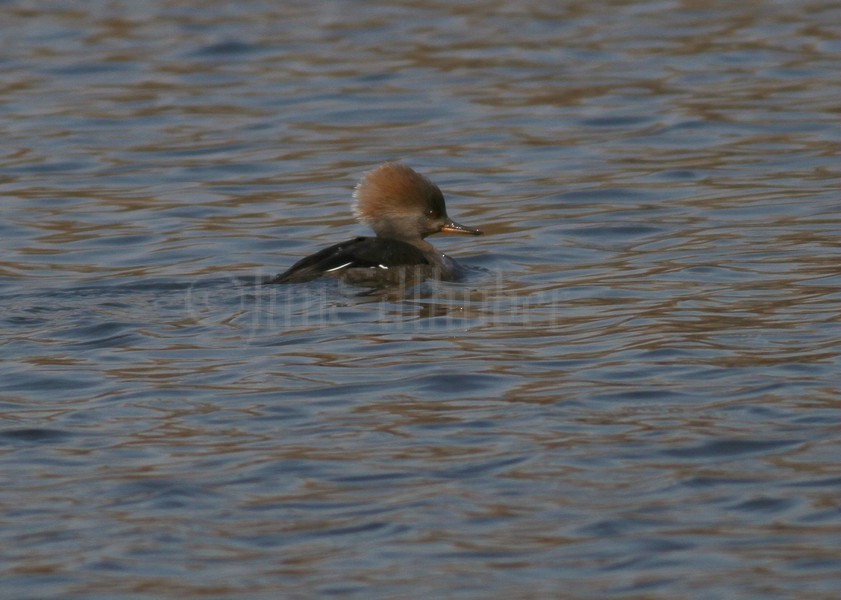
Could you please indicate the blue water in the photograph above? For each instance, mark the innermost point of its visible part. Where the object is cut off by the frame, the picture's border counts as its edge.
(633, 394)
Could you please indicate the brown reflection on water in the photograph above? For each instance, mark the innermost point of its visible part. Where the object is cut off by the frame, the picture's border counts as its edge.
(635, 385)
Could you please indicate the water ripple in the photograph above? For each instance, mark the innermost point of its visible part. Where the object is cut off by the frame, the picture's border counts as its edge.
(634, 388)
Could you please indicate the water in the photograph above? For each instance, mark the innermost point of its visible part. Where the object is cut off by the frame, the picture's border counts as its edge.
(634, 393)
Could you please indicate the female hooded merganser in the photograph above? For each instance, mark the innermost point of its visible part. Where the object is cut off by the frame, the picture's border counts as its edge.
(402, 207)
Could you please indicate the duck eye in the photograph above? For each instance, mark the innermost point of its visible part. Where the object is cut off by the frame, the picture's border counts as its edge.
(430, 212)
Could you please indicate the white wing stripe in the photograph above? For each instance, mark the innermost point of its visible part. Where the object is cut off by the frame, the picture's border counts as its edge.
(339, 267)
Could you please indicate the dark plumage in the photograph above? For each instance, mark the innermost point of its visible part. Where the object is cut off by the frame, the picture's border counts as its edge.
(358, 253)
(402, 207)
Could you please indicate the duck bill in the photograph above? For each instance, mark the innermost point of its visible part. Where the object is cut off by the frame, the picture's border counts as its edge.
(452, 227)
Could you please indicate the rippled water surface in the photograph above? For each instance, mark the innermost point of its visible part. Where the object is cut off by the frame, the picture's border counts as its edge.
(635, 392)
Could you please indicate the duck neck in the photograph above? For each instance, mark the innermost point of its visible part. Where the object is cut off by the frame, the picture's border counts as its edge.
(422, 244)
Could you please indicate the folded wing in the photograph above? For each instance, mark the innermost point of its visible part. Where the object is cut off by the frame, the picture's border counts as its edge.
(360, 252)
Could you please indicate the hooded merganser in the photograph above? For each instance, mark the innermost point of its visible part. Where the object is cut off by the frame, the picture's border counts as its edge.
(402, 207)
